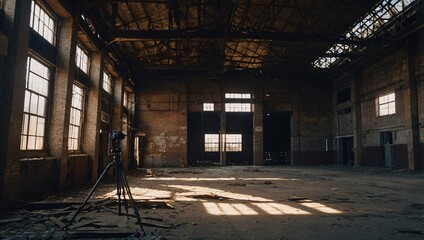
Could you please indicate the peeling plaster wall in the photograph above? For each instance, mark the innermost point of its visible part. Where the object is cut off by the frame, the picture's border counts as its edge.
(162, 114)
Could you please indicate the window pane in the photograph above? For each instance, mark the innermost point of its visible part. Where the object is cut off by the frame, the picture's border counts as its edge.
(32, 125)
(24, 142)
(31, 143)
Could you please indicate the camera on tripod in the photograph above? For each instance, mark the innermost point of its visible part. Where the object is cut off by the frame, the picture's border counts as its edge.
(115, 138)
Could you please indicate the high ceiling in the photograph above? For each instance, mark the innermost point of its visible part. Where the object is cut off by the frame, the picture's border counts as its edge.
(153, 36)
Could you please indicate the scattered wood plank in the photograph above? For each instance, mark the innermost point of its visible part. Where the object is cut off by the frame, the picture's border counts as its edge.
(44, 205)
(83, 223)
(148, 223)
(295, 199)
(10, 220)
(56, 221)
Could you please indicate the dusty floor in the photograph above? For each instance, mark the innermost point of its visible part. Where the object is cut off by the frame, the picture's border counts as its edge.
(258, 203)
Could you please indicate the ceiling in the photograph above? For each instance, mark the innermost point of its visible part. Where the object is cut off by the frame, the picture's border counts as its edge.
(158, 36)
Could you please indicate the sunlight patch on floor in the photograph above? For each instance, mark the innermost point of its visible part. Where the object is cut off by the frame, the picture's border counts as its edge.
(320, 207)
(280, 209)
(229, 209)
(198, 190)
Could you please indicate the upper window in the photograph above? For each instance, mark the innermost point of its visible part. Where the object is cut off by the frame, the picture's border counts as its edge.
(238, 95)
(35, 107)
(241, 106)
(81, 59)
(125, 100)
(75, 122)
(386, 104)
(208, 107)
(107, 83)
(42, 22)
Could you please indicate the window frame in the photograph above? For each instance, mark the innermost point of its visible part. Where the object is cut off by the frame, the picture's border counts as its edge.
(125, 96)
(231, 142)
(25, 111)
(49, 13)
(82, 113)
(386, 104)
(108, 83)
(79, 60)
(208, 107)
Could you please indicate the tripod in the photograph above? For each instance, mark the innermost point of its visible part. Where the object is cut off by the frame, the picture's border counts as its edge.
(122, 187)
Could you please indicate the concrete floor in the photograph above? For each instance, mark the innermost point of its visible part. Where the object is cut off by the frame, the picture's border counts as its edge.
(279, 202)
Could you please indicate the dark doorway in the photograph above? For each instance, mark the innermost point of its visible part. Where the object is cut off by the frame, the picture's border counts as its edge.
(205, 142)
(239, 123)
(346, 151)
(277, 138)
(199, 124)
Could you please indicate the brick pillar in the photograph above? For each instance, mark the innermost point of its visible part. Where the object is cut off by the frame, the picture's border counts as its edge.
(94, 101)
(258, 126)
(62, 96)
(357, 120)
(411, 108)
(12, 94)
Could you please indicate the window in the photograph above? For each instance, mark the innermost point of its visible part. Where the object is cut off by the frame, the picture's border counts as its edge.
(211, 142)
(35, 107)
(75, 122)
(238, 107)
(81, 59)
(386, 105)
(208, 107)
(233, 142)
(125, 100)
(238, 95)
(42, 22)
(107, 83)
(105, 117)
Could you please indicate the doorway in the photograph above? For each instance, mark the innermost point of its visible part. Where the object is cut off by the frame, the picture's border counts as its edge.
(277, 138)
(386, 141)
(346, 151)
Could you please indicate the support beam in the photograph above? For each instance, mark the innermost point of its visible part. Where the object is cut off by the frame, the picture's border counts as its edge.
(243, 35)
(258, 123)
(357, 119)
(411, 107)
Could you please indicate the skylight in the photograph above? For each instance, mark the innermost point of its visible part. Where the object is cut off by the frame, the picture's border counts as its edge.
(364, 28)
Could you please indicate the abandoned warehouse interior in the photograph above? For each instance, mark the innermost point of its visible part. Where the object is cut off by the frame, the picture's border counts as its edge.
(196, 83)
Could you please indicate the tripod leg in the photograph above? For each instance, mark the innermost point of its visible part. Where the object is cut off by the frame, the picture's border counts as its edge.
(131, 199)
(80, 208)
(118, 189)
